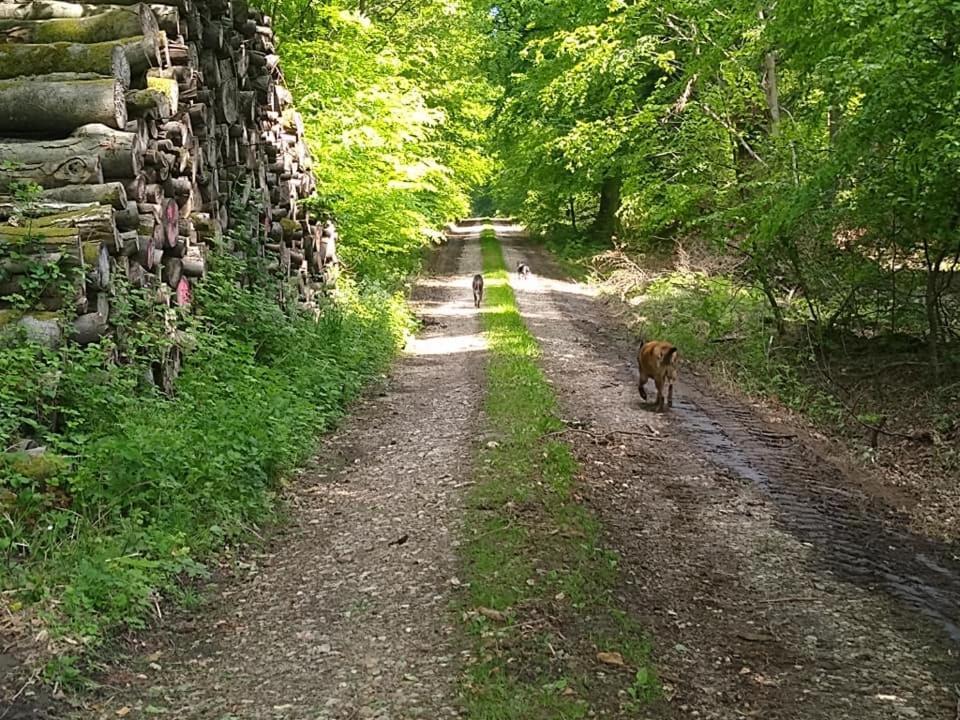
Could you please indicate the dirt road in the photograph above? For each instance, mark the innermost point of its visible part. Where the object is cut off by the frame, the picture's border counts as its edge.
(347, 614)
(775, 580)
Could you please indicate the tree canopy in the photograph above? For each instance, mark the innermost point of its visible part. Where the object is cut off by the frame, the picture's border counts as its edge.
(816, 142)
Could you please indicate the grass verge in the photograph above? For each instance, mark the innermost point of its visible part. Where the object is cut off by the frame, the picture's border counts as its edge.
(539, 604)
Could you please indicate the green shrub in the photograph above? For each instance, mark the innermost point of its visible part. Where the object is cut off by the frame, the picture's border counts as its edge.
(145, 487)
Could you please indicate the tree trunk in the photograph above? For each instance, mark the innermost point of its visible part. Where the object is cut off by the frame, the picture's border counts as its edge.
(772, 91)
(606, 223)
(931, 306)
(36, 106)
(114, 24)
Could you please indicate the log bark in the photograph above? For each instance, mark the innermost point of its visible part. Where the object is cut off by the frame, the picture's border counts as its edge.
(95, 152)
(94, 224)
(99, 274)
(108, 59)
(148, 102)
(40, 209)
(119, 151)
(117, 23)
(50, 239)
(113, 194)
(128, 218)
(42, 327)
(136, 188)
(35, 106)
(172, 272)
(89, 328)
(52, 174)
(167, 15)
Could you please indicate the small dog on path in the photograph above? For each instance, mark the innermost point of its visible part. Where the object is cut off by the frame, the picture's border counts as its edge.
(658, 359)
(523, 270)
(477, 290)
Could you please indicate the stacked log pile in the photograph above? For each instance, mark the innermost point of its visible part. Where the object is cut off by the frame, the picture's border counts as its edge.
(142, 124)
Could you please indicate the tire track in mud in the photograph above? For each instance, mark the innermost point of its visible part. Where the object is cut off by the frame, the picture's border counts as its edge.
(774, 584)
(860, 538)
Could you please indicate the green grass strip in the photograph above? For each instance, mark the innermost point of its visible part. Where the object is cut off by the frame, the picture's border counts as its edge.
(532, 552)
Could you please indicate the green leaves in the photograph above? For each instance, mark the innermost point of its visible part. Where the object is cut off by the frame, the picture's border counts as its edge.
(394, 114)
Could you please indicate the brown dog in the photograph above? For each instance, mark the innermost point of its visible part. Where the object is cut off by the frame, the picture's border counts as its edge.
(658, 360)
(477, 290)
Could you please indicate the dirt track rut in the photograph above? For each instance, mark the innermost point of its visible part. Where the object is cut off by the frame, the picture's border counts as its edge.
(347, 614)
(775, 585)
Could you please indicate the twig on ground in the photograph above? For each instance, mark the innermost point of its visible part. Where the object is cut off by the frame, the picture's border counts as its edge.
(19, 692)
(794, 598)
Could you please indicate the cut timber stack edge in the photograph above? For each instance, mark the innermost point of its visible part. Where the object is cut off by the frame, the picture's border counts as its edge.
(144, 123)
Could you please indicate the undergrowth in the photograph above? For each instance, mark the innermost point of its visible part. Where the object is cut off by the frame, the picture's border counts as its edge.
(533, 554)
(135, 490)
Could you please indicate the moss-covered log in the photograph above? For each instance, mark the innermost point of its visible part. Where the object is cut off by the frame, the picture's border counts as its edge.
(95, 224)
(148, 102)
(165, 82)
(140, 53)
(59, 106)
(48, 238)
(41, 327)
(116, 23)
(102, 58)
(9, 208)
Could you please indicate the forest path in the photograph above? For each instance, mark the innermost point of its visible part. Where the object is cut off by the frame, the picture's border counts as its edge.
(346, 614)
(775, 579)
